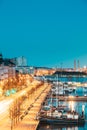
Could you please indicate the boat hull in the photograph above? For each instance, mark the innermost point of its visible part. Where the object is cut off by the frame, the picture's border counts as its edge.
(62, 121)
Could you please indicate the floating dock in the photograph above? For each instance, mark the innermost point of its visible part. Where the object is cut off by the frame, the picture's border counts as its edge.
(73, 98)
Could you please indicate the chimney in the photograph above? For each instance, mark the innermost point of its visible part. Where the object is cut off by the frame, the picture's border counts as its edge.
(74, 64)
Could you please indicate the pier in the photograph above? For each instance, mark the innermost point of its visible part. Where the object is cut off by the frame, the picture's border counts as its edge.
(73, 98)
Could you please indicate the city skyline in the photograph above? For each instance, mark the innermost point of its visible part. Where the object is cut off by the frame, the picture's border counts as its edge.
(48, 33)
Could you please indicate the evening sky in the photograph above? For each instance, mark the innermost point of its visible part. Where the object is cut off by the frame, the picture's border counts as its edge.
(47, 32)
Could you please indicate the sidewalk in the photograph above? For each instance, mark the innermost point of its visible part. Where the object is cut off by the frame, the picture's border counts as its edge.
(29, 122)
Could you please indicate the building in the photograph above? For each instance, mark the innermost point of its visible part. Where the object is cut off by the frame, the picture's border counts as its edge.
(7, 68)
(19, 61)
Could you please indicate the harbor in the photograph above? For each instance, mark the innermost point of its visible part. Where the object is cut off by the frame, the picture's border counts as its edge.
(74, 100)
(58, 102)
(43, 65)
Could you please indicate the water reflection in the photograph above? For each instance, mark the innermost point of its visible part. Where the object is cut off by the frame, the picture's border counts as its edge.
(57, 127)
(71, 105)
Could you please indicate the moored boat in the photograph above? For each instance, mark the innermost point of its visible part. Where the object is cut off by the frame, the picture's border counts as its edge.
(59, 117)
(62, 121)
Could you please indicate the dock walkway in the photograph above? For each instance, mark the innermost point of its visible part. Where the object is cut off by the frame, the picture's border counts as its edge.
(30, 122)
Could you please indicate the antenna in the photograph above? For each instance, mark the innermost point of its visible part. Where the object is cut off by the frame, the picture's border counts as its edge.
(78, 64)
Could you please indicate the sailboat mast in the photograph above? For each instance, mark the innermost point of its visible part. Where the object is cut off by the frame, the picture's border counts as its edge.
(57, 92)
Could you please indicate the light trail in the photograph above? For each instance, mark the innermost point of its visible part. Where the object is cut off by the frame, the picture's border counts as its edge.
(4, 105)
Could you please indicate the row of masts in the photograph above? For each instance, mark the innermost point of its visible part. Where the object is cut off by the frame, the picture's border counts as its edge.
(57, 97)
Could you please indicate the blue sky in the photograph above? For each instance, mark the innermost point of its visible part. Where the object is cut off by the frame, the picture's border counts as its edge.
(46, 32)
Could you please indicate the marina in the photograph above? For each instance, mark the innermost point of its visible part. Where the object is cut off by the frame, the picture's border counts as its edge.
(56, 107)
(61, 114)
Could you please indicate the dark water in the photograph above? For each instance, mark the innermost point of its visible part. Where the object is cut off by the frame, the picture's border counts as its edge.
(74, 79)
(66, 79)
(57, 127)
(77, 106)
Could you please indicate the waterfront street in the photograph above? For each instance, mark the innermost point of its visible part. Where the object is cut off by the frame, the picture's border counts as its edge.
(39, 96)
(43, 65)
